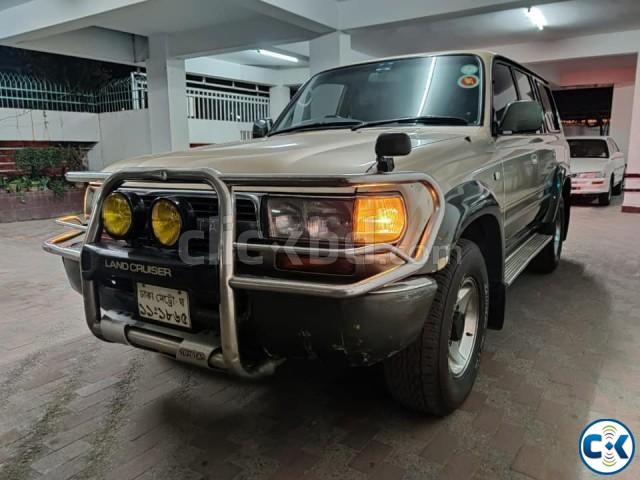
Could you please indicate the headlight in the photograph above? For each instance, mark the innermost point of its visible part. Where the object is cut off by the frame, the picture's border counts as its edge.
(591, 175)
(117, 215)
(166, 221)
(309, 218)
(363, 220)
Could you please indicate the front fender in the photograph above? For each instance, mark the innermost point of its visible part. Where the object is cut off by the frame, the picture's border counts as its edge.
(463, 205)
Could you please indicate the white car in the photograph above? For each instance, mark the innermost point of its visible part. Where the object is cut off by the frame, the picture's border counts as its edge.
(597, 168)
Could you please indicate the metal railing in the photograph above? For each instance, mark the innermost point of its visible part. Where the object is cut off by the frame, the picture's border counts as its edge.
(30, 93)
(124, 94)
(205, 104)
(131, 93)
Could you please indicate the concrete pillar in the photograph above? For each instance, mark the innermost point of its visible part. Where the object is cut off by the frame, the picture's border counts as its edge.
(329, 51)
(166, 81)
(632, 188)
(279, 99)
(621, 114)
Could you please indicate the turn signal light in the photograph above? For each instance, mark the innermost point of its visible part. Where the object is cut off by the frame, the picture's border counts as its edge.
(379, 219)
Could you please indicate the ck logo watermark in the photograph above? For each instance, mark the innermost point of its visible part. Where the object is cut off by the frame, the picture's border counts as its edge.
(606, 446)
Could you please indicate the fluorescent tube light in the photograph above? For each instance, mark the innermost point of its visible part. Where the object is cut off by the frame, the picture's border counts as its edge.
(537, 17)
(279, 56)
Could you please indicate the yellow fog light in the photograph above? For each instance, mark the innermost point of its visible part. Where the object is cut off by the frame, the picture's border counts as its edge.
(166, 221)
(379, 219)
(117, 215)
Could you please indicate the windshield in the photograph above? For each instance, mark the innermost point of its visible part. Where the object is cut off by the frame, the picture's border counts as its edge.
(588, 148)
(441, 86)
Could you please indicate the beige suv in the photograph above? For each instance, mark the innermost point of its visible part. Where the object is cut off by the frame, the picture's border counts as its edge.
(377, 221)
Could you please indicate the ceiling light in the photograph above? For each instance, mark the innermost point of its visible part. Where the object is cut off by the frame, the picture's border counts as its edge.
(537, 17)
(279, 56)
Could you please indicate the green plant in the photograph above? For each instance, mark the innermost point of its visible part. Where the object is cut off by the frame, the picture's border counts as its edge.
(72, 157)
(57, 186)
(33, 162)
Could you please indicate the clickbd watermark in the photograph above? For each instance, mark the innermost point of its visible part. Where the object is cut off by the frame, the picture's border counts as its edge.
(199, 247)
(606, 446)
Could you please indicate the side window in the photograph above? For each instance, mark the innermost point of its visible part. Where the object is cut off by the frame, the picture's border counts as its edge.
(551, 118)
(524, 86)
(504, 90)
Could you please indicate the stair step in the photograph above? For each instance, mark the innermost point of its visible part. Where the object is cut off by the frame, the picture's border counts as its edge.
(518, 260)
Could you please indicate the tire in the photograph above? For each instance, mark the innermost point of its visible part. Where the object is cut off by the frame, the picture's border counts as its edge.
(618, 189)
(549, 258)
(604, 199)
(420, 377)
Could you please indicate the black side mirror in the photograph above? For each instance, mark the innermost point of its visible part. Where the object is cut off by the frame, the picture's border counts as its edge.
(523, 116)
(389, 145)
(262, 127)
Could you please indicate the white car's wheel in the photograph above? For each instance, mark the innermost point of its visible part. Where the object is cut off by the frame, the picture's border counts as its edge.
(605, 198)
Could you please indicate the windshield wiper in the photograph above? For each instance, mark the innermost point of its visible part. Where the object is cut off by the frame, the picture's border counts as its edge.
(319, 126)
(425, 120)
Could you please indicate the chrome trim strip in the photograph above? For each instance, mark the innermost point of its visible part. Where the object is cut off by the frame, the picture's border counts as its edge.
(86, 177)
(55, 245)
(72, 221)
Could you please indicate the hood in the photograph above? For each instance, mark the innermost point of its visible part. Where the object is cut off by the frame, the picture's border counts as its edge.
(581, 165)
(313, 152)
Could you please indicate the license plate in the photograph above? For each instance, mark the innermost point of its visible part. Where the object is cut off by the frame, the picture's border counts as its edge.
(164, 305)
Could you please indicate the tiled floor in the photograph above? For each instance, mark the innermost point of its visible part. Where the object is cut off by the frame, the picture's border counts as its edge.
(71, 406)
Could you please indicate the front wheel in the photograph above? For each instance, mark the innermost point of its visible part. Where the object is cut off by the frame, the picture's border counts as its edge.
(604, 199)
(436, 373)
(618, 189)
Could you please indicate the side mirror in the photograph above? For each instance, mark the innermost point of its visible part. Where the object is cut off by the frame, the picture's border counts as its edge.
(389, 145)
(262, 127)
(523, 116)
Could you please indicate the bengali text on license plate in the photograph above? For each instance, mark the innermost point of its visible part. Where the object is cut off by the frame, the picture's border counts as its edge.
(164, 305)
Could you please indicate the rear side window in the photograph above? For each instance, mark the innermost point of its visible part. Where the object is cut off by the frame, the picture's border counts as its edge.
(504, 90)
(524, 86)
(548, 104)
(588, 148)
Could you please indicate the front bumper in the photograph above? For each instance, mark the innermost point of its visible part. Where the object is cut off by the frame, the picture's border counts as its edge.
(360, 323)
(589, 186)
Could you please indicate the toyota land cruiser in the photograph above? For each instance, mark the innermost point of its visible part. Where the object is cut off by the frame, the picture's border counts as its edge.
(379, 220)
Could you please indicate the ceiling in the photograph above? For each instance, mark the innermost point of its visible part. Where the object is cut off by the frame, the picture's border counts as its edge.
(566, 19)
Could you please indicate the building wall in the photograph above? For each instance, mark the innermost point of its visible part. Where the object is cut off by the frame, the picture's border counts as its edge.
(214, 131)
(122, 135)
(47, 125)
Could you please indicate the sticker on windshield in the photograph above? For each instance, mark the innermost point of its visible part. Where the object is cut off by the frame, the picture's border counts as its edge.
(469, 69)
(468, 81)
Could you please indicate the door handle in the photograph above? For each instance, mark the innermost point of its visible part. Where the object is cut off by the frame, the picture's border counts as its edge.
(534, 159)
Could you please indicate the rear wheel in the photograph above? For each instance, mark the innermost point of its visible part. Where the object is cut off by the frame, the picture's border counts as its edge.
(436, 373)
(549, 258)
(604, 199)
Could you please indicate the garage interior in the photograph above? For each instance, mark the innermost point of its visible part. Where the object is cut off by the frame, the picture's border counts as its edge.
(569, 353)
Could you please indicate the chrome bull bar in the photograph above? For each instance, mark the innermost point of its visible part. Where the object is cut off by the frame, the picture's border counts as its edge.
(225, 187)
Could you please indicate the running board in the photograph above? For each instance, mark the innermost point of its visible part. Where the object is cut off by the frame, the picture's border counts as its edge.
(518, 260)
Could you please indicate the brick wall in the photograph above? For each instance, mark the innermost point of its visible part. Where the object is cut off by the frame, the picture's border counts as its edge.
(39, 205)
(8, 149)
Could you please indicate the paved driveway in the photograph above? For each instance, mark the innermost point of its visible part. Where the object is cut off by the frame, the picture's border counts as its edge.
(73, 407)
